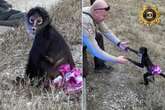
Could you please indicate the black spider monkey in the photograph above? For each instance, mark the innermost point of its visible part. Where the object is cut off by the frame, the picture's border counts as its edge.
(145, 62)
(49, 49)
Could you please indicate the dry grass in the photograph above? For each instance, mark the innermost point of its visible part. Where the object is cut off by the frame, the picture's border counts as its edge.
(14, 49)
(72, 15)
(121, 88)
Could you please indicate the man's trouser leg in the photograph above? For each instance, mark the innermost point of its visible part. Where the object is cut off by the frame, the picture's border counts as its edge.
(98, 62)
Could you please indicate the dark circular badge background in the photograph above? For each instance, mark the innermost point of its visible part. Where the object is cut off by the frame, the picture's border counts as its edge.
(145, 14)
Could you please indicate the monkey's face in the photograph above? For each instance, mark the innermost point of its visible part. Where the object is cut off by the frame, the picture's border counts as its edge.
(35, 21)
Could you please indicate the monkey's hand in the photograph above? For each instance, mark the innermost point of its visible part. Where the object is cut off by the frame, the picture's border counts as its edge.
(53, 62)
(49, 59)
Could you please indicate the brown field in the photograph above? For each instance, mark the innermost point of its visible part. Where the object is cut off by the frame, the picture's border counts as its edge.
(14, 49)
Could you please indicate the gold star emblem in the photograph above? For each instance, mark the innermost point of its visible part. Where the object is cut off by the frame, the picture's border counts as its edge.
(149, 15)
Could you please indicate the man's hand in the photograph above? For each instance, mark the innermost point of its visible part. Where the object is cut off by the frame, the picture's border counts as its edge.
(124, 45)
(121, 60)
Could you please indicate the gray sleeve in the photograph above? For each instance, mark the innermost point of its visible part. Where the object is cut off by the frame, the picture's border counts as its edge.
(108, 33)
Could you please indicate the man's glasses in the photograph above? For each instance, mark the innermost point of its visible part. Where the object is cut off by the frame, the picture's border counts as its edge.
(106, 9)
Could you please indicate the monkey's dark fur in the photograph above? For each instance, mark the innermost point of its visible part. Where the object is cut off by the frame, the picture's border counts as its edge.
(145, 62)
(49, 50)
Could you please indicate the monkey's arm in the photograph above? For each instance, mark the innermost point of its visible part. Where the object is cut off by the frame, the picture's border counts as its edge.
(162, 74)
(141, 65)
(132, 50)
(49, 59)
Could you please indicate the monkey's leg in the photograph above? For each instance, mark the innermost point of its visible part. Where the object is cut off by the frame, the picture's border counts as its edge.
(163, 75)
(30, 71)
(70, 60)
(136, 63)
(145, 76)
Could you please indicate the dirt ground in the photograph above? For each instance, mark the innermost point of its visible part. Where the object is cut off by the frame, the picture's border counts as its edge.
(121, 89)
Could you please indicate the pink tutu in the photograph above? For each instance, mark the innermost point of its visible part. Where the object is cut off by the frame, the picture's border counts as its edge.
(69, 79)
(155, 69)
